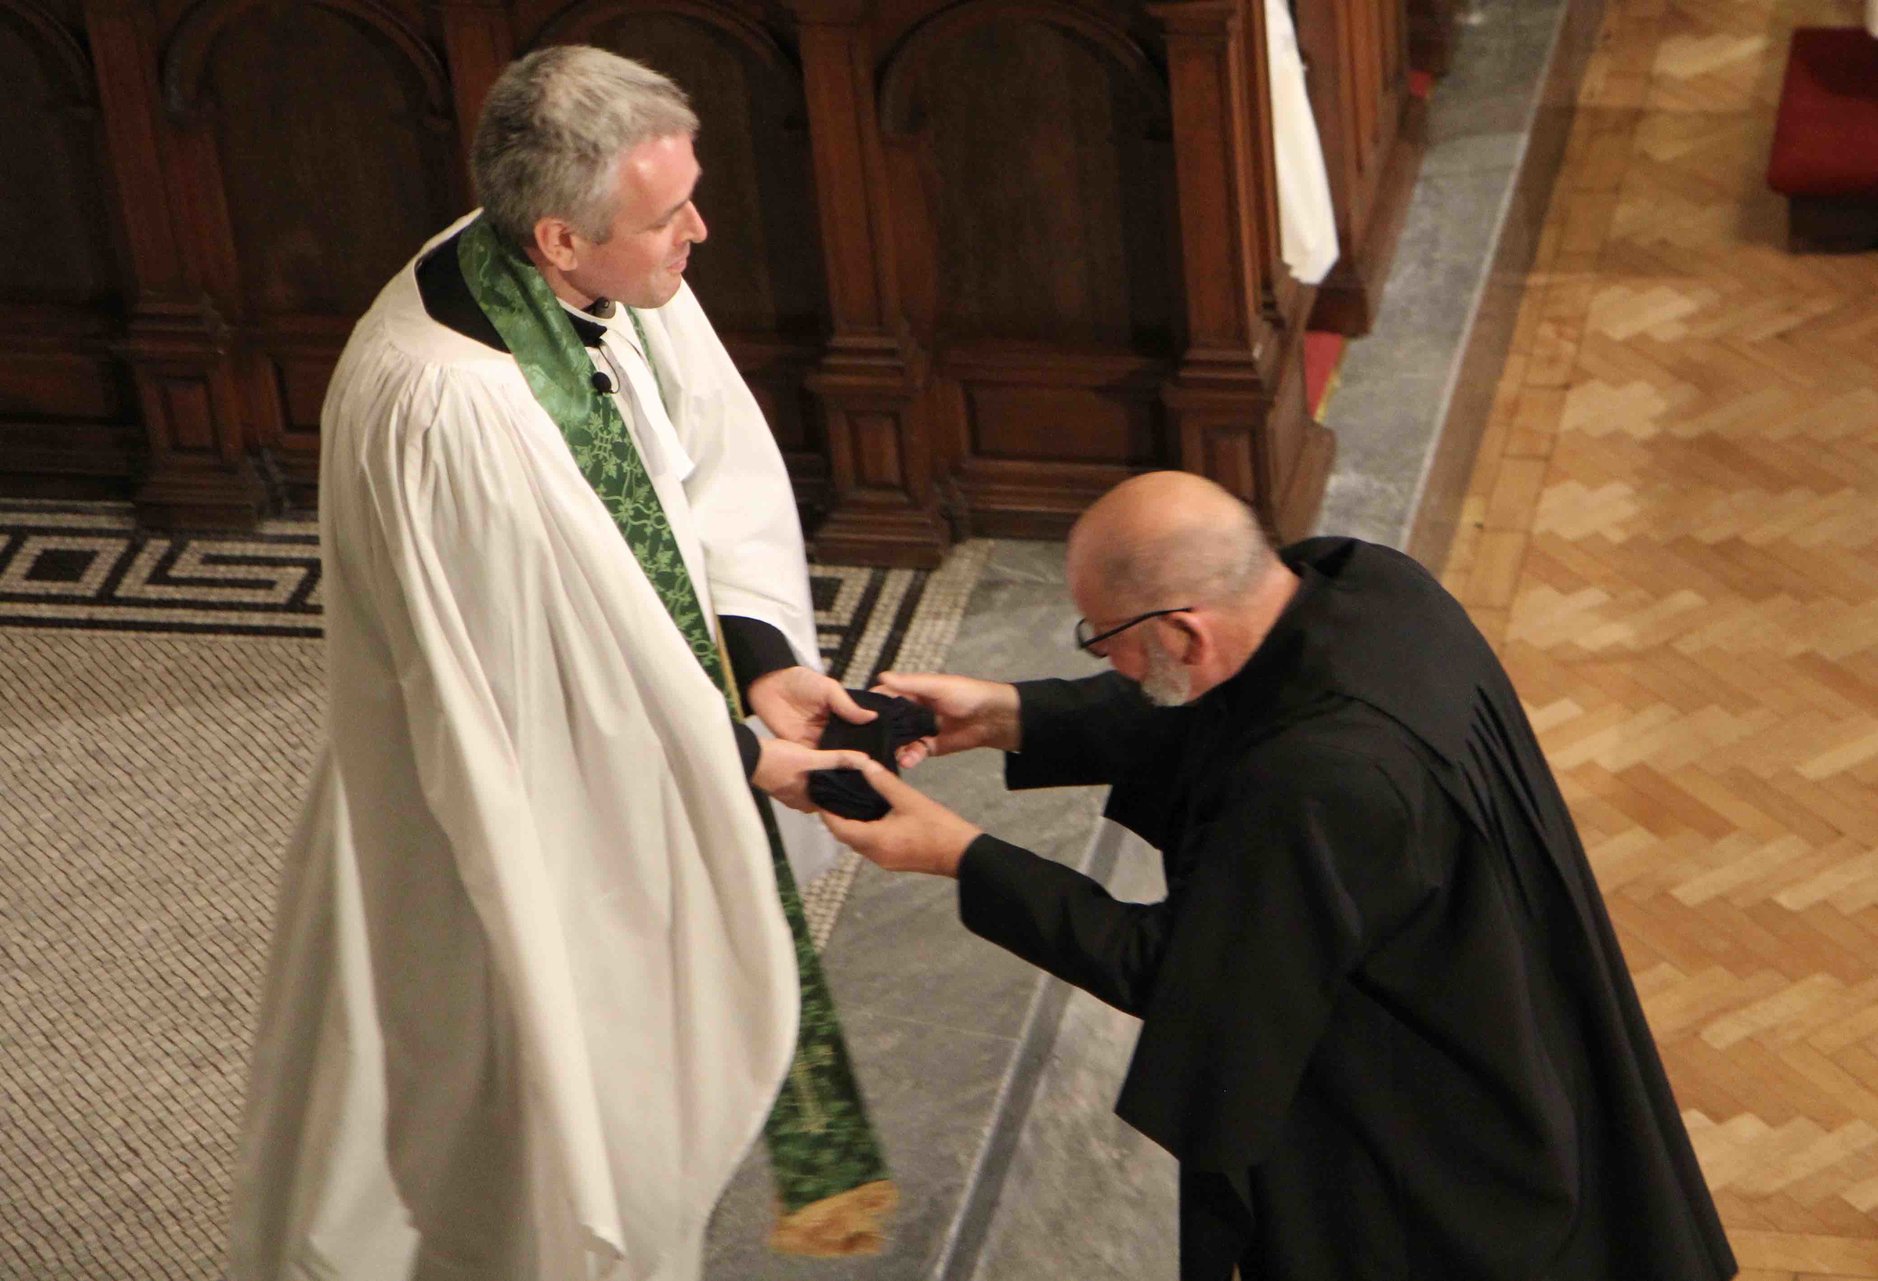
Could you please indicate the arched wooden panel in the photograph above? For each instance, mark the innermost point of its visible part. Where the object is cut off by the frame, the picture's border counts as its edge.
(53, 213)
(334, 153)
(760, 271)
(68, 418)
(1053, 220)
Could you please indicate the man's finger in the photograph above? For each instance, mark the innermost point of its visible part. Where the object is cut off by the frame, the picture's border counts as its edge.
(849, 831)
(921, 688)
(844, 706)
(890, 786)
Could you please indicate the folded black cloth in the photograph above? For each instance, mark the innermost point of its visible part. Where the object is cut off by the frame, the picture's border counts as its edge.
(846, 791)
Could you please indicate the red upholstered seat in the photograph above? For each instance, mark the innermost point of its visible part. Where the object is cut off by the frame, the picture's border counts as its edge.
(1826, 135)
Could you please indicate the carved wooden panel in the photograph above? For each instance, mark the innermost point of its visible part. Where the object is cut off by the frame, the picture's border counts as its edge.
(1045, 181)
(335, 150)
(990, 254)
(335, 153)
(1034, 192)
(66, 406)
(1371, 128)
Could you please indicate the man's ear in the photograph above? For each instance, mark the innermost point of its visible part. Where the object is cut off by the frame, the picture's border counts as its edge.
(1191, 638)
(554, 241)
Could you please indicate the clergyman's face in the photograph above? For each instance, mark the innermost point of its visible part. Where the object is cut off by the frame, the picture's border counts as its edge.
(642, 262)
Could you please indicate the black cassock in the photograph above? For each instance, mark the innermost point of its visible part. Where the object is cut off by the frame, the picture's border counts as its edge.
(1387, 1030)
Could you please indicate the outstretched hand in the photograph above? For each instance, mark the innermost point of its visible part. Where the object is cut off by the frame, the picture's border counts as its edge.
(971, 713)
(796, 702)
(784, 767)
(918, 835)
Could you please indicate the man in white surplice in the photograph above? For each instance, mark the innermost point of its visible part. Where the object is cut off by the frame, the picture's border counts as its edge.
(531, 992)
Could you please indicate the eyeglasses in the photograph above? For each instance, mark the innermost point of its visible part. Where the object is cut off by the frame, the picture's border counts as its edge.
(1087, 643)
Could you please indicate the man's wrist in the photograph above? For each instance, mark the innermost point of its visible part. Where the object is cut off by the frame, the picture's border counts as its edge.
(1008, 727)
(950, 858)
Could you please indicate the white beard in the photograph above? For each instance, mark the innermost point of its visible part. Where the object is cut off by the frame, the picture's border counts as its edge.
(1167, 683)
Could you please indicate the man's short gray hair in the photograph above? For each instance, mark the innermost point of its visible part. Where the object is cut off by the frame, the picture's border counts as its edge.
(550, 137)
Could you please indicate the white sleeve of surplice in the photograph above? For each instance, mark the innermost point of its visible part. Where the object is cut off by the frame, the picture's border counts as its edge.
(742, 504)
(579, 764)
(744, 512)
(1307, 220)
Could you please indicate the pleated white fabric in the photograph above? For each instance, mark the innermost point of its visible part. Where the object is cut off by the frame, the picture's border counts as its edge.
(1307, 221)
(734, 500)
(531, 992)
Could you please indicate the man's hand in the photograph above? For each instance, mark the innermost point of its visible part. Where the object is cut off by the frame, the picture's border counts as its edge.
(919, 835)
(972, 713)
(783, 770)
(796, 703)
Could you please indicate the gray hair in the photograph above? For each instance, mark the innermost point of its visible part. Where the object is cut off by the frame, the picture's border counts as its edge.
(551, 134)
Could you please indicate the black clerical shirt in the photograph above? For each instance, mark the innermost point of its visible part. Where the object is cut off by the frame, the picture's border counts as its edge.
(1386, 1026)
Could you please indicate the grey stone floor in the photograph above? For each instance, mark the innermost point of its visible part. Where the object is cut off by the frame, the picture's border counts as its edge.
(1395, 384)
(991, 1084)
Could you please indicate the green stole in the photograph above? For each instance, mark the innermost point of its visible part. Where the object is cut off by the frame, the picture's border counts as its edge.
(829, 1172)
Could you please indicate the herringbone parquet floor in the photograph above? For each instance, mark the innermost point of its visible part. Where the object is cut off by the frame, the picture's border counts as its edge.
(1672, 534)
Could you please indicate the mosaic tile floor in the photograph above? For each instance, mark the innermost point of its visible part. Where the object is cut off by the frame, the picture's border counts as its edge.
(161, 707)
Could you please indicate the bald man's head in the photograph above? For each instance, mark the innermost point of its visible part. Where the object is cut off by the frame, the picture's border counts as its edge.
(1162, 540)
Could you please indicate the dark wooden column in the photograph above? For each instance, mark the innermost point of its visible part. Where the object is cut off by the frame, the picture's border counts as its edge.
(176, 343)
(1237, 397)
(871, 383)
(478, 43)
(1373, 131)
(1432, 34)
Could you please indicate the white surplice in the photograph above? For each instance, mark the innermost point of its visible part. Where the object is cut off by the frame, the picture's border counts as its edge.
(531, 991)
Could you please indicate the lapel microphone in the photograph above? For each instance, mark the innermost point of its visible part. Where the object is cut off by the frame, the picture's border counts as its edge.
(601, 383)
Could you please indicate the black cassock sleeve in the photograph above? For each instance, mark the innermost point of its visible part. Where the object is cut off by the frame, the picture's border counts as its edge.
(755, 648)
(1283, 881)
(1096, 730)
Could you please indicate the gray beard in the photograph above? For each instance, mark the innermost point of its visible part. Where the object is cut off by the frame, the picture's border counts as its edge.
(1166, 683)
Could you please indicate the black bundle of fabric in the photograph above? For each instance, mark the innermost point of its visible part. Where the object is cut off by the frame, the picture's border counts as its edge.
(846, 791)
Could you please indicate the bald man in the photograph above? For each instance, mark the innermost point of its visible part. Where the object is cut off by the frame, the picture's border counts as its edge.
(1386, 1027)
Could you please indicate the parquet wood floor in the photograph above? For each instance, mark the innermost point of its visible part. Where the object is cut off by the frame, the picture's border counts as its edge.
(1672, 535)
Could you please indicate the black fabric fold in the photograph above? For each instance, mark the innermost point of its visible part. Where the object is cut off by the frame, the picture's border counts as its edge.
(448, 301)
(847, 792)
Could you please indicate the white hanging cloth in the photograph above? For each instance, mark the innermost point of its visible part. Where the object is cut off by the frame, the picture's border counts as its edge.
(1307, 221)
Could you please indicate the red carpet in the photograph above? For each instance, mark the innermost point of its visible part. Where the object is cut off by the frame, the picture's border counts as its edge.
(1323, 352)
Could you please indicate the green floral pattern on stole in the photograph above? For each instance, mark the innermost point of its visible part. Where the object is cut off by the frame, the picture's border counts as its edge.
(819, 1138)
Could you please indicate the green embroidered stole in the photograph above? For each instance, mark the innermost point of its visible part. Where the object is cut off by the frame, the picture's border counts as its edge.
(820, 1143)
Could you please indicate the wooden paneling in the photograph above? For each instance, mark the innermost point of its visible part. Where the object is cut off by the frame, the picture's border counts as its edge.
(1373, 132)
(978, 259)
(1046, 180)
(1433, 31)
(328, 126)
(66, 408)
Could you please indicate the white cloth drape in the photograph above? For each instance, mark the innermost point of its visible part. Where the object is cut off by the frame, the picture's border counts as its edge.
(531, 992)
(1307, 222)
